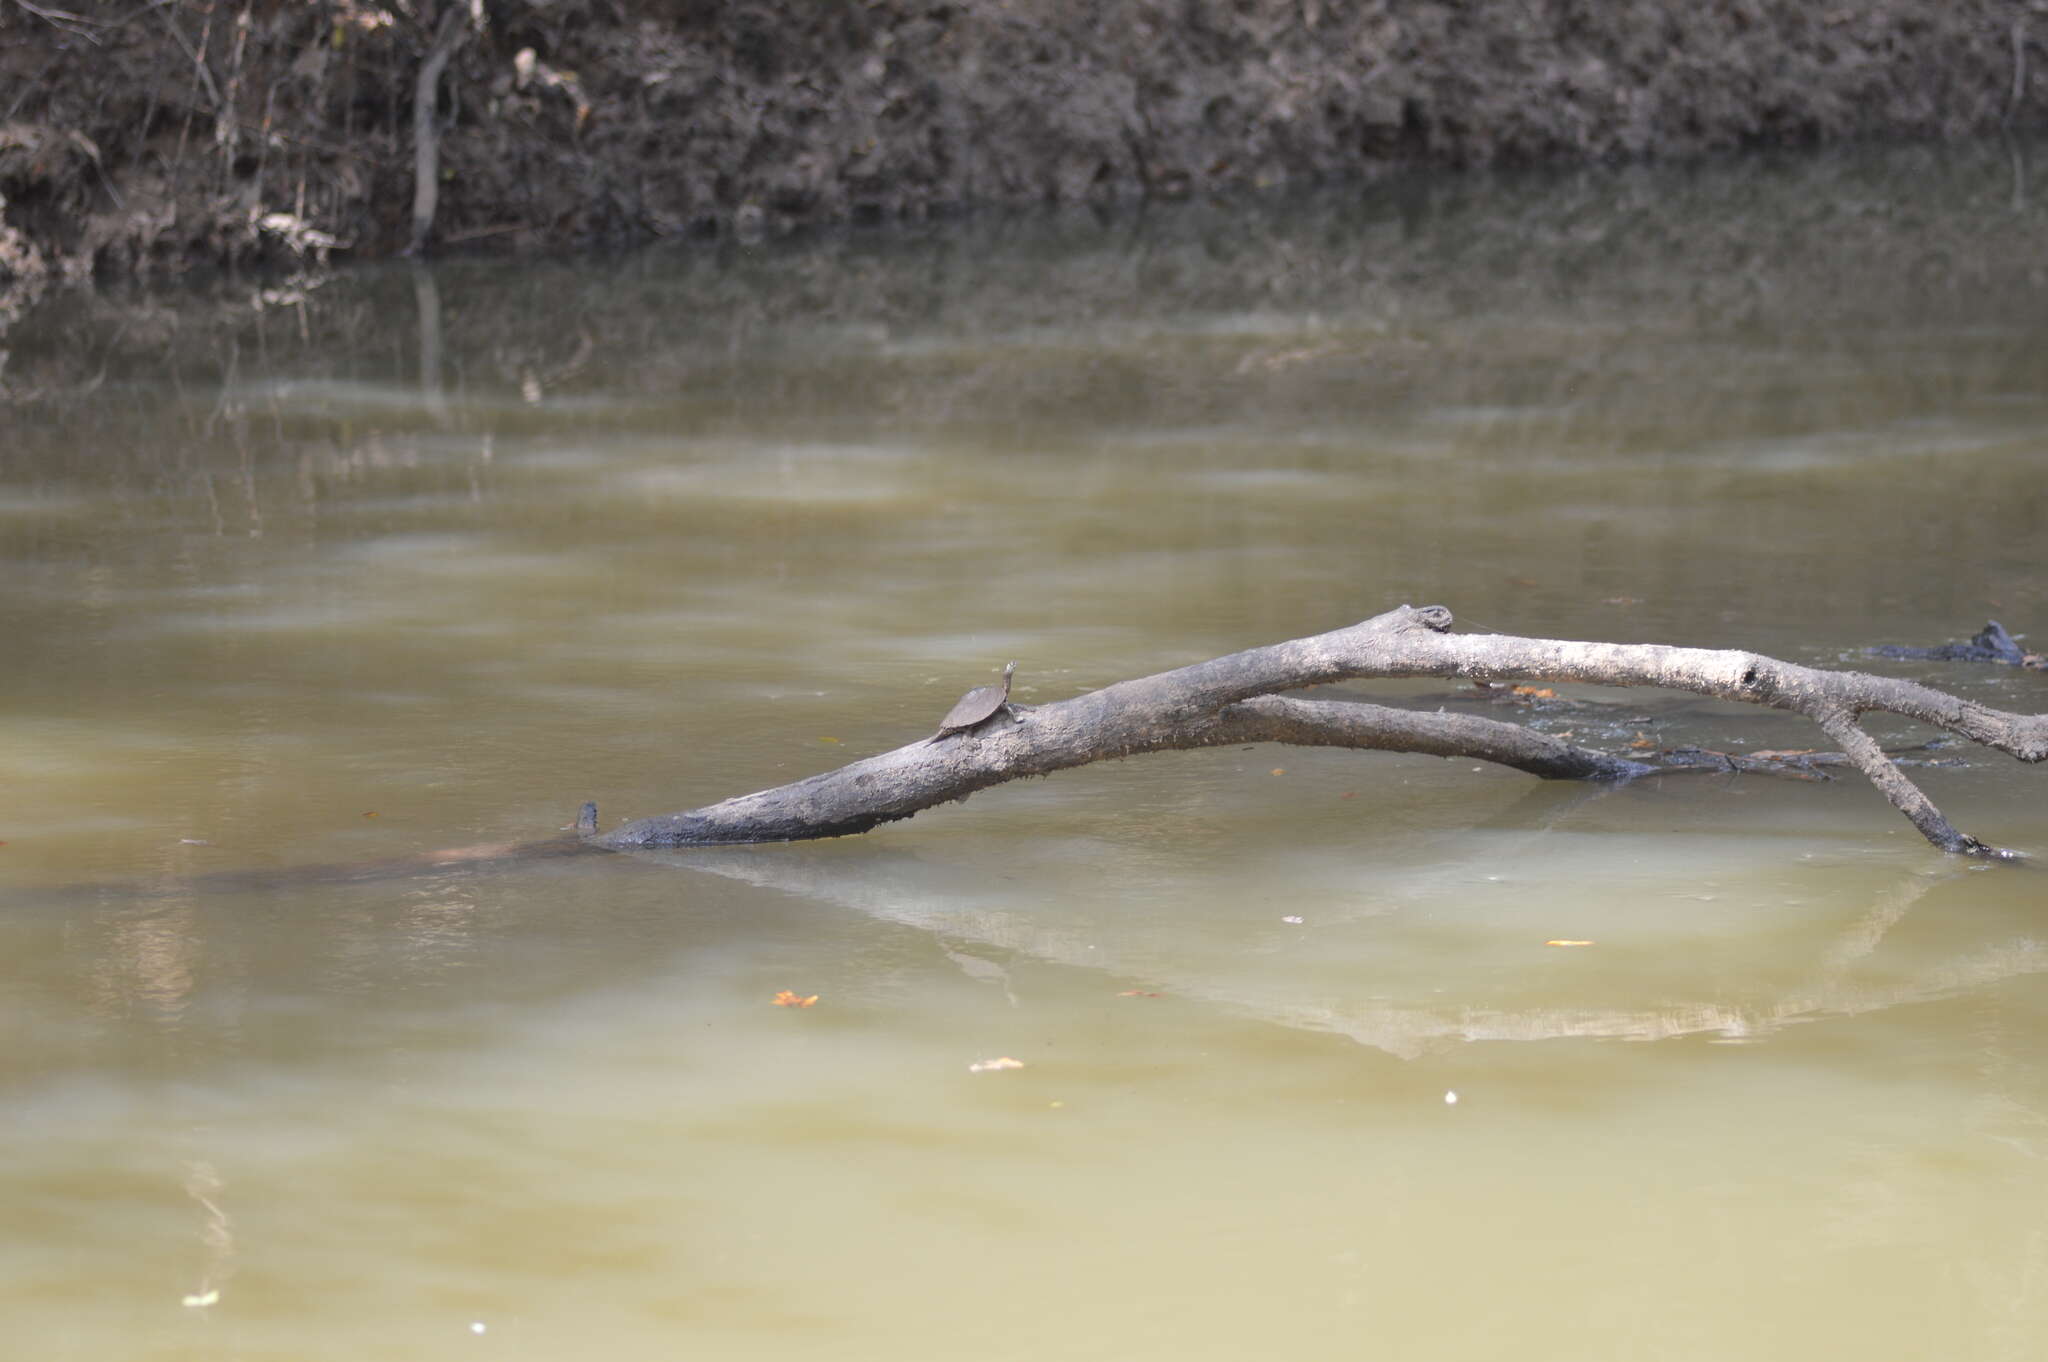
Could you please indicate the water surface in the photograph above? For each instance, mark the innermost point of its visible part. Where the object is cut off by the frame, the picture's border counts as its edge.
(420, 560)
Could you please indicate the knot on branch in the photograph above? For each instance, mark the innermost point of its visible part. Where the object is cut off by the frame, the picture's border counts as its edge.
(1755, 682)
(1435, 618)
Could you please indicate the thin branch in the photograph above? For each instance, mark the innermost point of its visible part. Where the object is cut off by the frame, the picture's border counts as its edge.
(2019, 71)
(77, 25)
(426, 127)
(1892, 783)
(198, 60)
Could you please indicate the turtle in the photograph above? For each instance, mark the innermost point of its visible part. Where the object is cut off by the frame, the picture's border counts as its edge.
(976, 707)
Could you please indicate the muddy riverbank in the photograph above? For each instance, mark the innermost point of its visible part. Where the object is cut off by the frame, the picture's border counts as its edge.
(196, 132)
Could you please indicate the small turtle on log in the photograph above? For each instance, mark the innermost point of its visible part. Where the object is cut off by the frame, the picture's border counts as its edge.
(976, 707)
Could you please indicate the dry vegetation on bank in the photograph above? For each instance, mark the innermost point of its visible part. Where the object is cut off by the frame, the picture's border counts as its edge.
(143, 136)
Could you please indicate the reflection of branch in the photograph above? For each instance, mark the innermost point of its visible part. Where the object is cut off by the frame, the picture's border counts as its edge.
(1869, 930)
(427, 301)
(1406, 1031)
(913, 893)
(203, 1185)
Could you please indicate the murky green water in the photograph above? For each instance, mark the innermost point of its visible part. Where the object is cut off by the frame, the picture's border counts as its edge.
(406, 562)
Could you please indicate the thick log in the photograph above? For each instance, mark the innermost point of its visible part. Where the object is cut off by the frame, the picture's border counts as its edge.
(1235, 699)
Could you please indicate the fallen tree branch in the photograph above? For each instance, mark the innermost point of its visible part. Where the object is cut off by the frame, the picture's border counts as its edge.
(1231, 700)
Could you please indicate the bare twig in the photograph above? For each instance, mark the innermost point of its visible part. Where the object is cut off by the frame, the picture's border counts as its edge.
(78, 25)
(2019, 71)
(198, 60)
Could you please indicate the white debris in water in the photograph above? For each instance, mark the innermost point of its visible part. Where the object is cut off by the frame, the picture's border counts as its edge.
(203, 1299)
(1450, 1099)
(1292, 921)
(476, 1327)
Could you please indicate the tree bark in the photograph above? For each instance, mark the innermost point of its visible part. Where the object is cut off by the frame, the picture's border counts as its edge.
(426, 125)
(1232, 700)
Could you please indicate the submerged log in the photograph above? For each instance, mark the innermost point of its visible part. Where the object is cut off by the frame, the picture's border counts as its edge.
(1990, 644)
(1235, 700)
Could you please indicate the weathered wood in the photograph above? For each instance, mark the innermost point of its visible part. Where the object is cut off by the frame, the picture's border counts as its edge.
(1233, 700)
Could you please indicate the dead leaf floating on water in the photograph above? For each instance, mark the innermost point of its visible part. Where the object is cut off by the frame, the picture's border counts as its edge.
(982, 1066)
(788, 999)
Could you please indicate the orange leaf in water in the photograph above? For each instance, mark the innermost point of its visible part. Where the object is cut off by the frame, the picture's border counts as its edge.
(1567, 943)
(788, 999)
(828, 740)
(1279, 771)
(1536, 692)
(1643, 740)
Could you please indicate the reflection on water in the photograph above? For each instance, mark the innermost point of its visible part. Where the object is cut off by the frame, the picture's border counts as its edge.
(427, 559)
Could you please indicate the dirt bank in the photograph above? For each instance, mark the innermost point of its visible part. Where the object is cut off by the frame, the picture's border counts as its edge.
(150, 137)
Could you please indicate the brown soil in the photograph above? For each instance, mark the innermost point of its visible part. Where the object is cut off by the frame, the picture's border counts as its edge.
(143, 137)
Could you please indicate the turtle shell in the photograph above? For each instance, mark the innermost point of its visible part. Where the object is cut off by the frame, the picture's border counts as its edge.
(977, 706)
